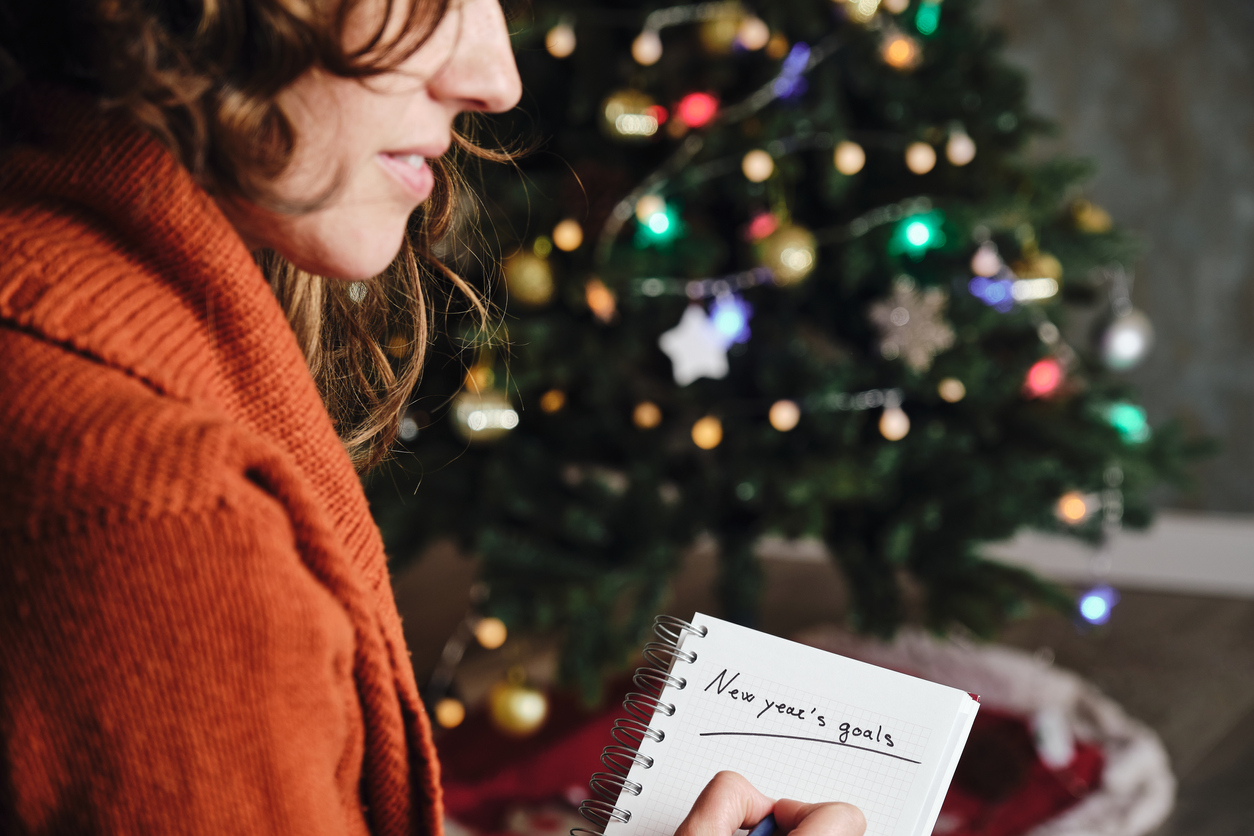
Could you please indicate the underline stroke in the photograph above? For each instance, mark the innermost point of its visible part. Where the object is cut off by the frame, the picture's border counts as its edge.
(811, 739)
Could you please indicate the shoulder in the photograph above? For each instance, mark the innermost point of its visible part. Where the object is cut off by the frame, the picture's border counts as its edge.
(84, 441)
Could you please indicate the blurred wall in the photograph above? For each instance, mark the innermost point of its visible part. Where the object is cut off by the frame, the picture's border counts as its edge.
(1161, 94)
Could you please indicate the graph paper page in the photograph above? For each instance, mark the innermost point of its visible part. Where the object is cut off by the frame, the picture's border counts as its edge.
(800, 723)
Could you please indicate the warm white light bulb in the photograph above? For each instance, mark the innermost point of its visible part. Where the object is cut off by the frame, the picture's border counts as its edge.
(560, 40)
(849, 158)
(647, 48)
(920, 157)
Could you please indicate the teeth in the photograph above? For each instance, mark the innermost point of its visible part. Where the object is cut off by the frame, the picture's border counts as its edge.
(413, 159)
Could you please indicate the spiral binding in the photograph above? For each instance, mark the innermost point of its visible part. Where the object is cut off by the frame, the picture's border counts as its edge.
(631, 732)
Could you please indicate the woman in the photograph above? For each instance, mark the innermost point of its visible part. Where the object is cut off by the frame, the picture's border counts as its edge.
(197, 631)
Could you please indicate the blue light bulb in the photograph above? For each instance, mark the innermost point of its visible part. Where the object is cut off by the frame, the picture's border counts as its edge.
(1096, 604)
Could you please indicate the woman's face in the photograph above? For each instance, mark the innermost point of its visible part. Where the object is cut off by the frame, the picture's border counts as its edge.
(372, 140)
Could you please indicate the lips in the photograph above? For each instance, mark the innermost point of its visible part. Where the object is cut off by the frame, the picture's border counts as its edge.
(411, 170)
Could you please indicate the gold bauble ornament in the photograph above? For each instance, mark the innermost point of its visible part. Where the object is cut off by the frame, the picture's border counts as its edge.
(515, 708)
(1091, 218)
(1039, 266)
(529, 279)
(629, 115)
(788, 252)
(483, 416)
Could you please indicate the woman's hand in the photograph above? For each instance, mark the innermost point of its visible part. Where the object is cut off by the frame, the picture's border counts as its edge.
(729, 802)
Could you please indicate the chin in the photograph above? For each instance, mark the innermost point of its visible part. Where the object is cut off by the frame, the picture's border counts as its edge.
(352, 251)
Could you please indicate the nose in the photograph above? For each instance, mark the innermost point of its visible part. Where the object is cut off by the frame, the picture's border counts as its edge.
(481, 74)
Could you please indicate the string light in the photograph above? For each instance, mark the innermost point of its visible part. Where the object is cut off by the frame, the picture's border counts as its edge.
(553, 401)
(600, 301)
(996, 293)
(849, 158)
(986, 262)
(927, 18)
(647, 48)
(1073, 508)
(762, 225)
(861, 10)
(894, 423)
(900, 51)
(951, 390)
(1043, 378)
(917, 234)
(1129, 420)
(960, 149)
(707, 433)
(895, 6)
(450, 713)
(1095, 604)
(646, 415)
(696, 109)
(753, 33)
(777, 46)
(568, 235)
(648, 206)
(920, 157)
(730, 315)
(757, 166)
(784, 415)
(491, 632)
(560, 40)
(630, 115)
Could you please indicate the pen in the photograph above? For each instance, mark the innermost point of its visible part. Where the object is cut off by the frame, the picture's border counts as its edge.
(766, 827)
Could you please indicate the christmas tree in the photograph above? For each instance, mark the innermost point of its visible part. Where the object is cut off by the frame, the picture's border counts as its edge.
(785, 269)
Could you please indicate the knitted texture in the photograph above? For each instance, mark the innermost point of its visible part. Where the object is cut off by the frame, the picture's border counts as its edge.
(197, 629)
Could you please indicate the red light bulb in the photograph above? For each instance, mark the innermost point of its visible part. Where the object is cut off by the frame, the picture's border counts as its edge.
(696, 109)
(1043, 378)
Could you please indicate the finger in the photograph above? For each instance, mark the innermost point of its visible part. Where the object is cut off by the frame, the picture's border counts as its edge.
(728, 803)
(833, 818)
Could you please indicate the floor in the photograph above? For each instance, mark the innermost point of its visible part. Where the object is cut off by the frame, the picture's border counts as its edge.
(1183, 664)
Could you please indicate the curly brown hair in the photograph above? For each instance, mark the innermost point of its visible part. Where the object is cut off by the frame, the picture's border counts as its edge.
(203, 76)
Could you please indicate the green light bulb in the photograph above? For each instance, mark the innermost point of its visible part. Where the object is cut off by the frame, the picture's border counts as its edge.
(1129, 420)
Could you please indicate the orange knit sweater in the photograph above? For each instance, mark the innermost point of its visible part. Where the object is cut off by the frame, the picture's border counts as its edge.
(197, 630)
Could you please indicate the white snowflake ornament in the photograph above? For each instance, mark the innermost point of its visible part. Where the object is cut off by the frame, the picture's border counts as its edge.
(912, 324)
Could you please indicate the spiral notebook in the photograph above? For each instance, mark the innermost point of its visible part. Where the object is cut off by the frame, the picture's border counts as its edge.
(798, 722)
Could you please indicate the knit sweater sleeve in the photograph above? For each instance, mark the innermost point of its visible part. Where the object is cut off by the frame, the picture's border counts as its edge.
(168, 661)
(177, 674)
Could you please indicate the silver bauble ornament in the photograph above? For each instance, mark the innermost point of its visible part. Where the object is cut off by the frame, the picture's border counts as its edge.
(1126, 341)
